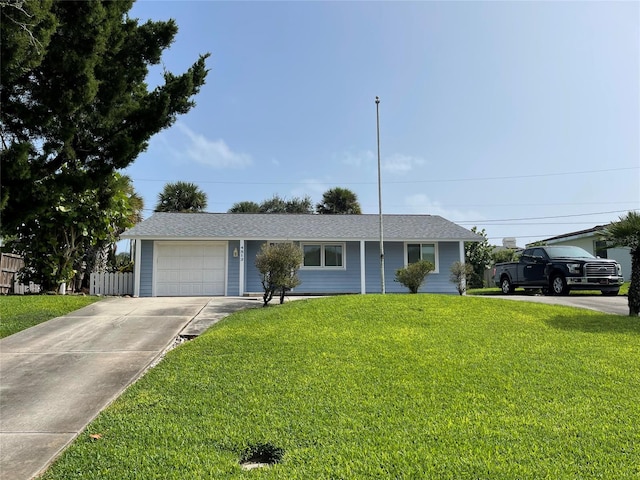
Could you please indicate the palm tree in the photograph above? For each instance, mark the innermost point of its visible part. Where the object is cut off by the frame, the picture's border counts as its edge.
(278, 204)
(246, 206)
(181, 197)
(626, 232)
(339, 201)
(275, 204)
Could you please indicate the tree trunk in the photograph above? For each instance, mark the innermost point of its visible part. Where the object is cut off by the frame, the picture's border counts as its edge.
(268, 295)
(634, 288)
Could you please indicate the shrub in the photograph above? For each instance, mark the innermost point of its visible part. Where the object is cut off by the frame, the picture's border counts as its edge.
(412, 276)
(507, 255)
(278, 265)
(460, 275)
(478, 255)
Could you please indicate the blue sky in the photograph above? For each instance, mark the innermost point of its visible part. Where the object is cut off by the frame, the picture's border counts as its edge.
(522, 118)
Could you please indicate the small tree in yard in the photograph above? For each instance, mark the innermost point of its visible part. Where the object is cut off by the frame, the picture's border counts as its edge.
(478, 255)
(412, 276)
(278, 265)
(460, 275)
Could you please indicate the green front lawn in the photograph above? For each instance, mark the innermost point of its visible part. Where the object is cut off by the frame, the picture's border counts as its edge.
(400, 386)
(19, 312)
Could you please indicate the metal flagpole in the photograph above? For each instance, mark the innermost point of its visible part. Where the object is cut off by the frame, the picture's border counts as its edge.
(380, 199)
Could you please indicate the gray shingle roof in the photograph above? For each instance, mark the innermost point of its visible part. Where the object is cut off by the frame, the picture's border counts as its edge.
(250, 226)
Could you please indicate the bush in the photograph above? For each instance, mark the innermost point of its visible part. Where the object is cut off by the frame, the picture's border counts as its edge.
(459, 272)
(507, 255)
(278, 265)
(478, 255)
(412, 276)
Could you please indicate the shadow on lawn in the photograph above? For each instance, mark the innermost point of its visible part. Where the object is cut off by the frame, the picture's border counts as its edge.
(604, 323)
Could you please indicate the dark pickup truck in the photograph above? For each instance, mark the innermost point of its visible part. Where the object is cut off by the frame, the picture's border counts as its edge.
(558, 269)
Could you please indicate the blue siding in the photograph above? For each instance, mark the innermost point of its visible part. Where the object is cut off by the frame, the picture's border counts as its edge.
(334, 281)
(313, 281)
(251, 273)
(394, 258)
(372, 267)
(146, 268)
(233, 269)
(324, 281)
(448, 253)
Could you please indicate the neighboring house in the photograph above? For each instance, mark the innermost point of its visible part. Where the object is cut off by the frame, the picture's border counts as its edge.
(190, 254)
(593, 242)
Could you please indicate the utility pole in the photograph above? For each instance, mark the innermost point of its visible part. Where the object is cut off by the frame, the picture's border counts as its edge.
(380, 199)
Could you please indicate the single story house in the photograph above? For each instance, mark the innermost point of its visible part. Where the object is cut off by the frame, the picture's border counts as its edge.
(592, 240)
(191, 254)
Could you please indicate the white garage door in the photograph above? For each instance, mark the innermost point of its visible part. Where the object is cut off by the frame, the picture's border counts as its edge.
(190, 269)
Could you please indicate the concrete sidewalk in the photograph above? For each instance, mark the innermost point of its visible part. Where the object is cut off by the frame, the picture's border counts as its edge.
(57, 376)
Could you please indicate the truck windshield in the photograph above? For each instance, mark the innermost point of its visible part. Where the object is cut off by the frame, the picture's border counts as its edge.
(567, 252)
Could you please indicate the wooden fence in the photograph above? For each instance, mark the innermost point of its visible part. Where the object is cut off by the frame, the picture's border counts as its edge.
(111, 284)
(22, 289)
(10, 265)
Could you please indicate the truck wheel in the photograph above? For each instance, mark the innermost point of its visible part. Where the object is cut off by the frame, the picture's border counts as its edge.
(559, 285)
(505, 285)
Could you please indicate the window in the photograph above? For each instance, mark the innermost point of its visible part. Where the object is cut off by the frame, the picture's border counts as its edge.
(323, 255)
(422, 251)
(312, 256)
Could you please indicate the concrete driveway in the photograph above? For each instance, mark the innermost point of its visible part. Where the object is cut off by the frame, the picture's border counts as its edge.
(618, 305)
(57, 376)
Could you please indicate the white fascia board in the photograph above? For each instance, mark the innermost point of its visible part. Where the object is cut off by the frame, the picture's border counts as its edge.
(171, 238)
(570, 238)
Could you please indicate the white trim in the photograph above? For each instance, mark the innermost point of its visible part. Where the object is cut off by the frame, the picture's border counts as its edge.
(322, 266)
(463, 280)
(363, 278)
(137, 265)
(226, 268)
(436, 252)
(387, 239)
(241, 266)
(570, 238)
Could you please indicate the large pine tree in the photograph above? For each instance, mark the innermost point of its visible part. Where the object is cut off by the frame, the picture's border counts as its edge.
(75, 104)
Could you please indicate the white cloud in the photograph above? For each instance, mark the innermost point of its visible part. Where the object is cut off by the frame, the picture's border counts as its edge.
(398, 163)
(358, 159)
(311, 187)
(213, 153)
(420, 203)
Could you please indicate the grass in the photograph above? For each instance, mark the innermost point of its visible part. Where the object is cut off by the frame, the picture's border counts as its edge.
(19, 312)
(401, 386)
(624, 290)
